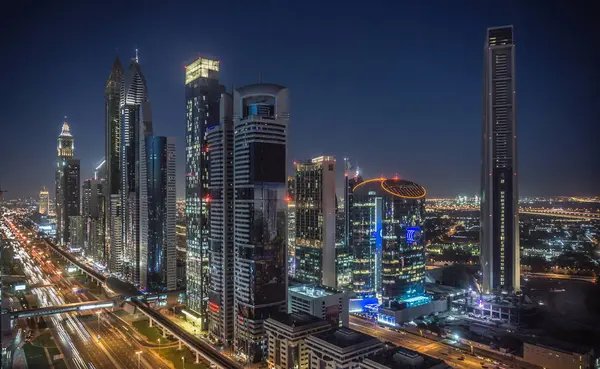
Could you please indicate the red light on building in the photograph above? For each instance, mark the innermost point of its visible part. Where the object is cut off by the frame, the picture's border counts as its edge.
(207, 198)
(206, 148)
(213, 307)
(288, 199)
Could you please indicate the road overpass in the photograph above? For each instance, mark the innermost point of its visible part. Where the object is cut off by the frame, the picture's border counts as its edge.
(193, 343)
(90, 272)
(67, 308)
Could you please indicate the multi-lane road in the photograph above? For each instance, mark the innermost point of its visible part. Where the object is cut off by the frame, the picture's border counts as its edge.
(452, 356)
(77, 336)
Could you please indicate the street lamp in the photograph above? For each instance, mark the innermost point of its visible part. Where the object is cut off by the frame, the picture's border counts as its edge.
(183, 362)
(139, 355)
(159, 344)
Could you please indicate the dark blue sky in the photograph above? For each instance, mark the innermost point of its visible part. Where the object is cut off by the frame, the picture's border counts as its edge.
(394, 86)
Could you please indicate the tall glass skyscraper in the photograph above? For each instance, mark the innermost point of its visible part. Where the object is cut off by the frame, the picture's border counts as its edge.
(500, 254)
(261, 115)
(112, 186)
(387, 218)
(43, 201)
(202, 94)
(161, 252)
(220, 289)
(71, 205)
(136, 125)
(315, 221)
(66, 150)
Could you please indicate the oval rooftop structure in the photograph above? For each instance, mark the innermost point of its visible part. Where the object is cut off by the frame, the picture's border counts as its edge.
(396, 187)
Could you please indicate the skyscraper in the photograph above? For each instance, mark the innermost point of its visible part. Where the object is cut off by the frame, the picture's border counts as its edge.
(202, 94)
(93, 209)
(43, 201)
(71, 196)
(500, 254)
(315, 221)
(66, 149)
(261, 115)
(161, 252)
(136, 125)
(220, 197)
(291, 225)
(387, 218)
(112, 116)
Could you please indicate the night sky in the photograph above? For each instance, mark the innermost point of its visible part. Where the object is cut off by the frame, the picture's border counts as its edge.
(395, 87)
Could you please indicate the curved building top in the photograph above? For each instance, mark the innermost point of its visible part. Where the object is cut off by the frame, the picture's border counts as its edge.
(260, 89)
(395, 187)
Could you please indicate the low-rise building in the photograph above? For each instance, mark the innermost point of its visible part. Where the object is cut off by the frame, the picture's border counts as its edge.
(401, 358)
(286, 336)
(558, 355)
(342, 348)
(323, 302)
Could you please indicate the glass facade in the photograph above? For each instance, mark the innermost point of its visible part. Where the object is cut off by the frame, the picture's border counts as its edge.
(388, 246)
(202, 94)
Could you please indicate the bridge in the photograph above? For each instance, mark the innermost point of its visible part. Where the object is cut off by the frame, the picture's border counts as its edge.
(561, 213)
(66, 308)
(193, 343)
(95, 275)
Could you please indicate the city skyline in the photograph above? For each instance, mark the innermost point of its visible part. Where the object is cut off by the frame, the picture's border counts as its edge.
(446, 137)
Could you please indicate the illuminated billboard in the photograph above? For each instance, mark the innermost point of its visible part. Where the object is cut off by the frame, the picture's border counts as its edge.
(413, 234)
(20, 287)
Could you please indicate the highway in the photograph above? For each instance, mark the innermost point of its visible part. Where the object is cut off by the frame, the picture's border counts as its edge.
(430, 347)
(189, 339)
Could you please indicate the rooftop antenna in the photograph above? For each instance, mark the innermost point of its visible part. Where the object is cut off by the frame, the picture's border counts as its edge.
(137, 59)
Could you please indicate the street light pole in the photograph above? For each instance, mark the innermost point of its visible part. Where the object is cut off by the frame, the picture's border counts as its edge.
(139, 355)
(183, 362)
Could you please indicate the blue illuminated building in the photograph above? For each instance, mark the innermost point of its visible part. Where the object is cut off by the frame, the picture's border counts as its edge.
(388, 246)
(161, 266)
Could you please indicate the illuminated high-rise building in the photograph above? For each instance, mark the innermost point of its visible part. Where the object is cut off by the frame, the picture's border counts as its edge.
(71, 199)
(66, 150)
(93, 209)
(387, 218)
(261, 114)
(315, 221)
(112, 168)
(220, 197)
(136, 125)
(43, 201)
(291, 225)
(500, 254)
(161, 254)
(202, 94)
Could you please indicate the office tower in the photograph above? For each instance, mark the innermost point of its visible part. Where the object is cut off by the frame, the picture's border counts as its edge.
(220, 197)
(261, 114)
(66, 150)
(315, 221)
(291, 228)
(112, 118)
(387, 218)
(500, 254)
(341, 348)
(202, 94)
(100, 172)
(44, 201)
(136, 125)
(343, 257)
(287, 334)
(76, 233)
(71, 200)
(325, 303)
(162, 247)
(349, 183)
(93, 211)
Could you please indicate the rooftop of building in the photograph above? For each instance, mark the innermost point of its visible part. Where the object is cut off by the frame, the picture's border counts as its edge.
(345, 338)
(403, 358)
(313, 291)
(297, 319)
(395, 186)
